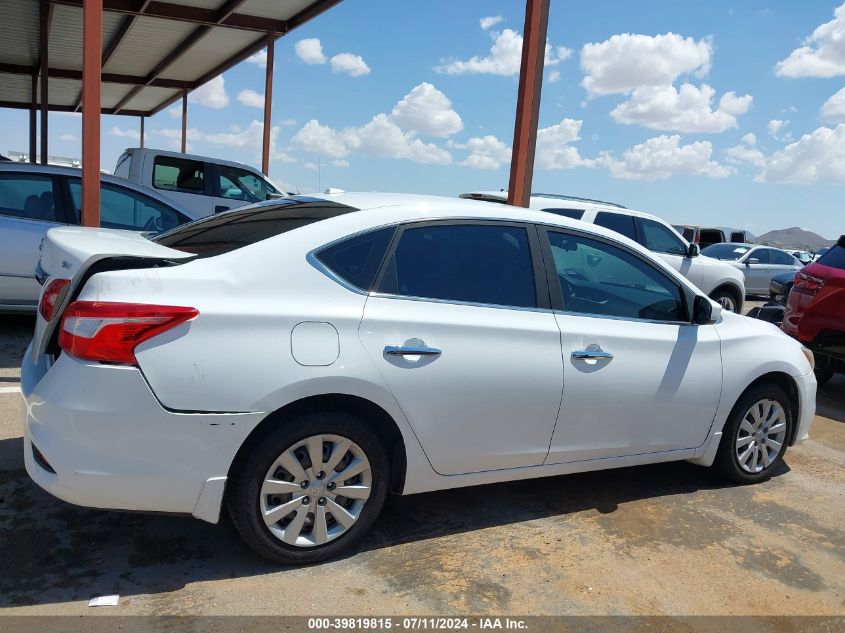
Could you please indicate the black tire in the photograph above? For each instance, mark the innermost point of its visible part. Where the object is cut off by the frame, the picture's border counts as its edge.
(244, 491)
(721, 294)
(823, 374)
(727, 462)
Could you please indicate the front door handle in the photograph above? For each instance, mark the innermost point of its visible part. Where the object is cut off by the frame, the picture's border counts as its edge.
(411, 350)
(591, 354)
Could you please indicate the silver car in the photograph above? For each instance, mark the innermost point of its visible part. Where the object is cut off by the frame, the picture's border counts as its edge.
(35, 198)
(758, 263)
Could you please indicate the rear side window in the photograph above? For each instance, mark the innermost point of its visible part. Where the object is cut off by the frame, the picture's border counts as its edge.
(472, 263)
(357, 260)
(218, 234)
(618, 222)
(835, 258)
(781, 258)
(122, 208)
(660, 239)
(575, 214)
(178, 174)
(28, 196)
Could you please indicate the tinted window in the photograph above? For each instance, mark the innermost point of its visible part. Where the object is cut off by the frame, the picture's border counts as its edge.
(357, 259)
(240, 184)
(597, 278)
(725, 251)
(762, 255)
(232, 230)
(659, 238)
(623, 224)
(178, 174)
(575, 214)
(122, 208)
(781, 258)
(468, 262)
(710, 236)
(687, 231)
(28, 196)
(835, 258)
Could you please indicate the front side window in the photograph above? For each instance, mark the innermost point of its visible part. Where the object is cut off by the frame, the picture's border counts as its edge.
(761, 255)
(122, 208)
(240, 184)
(618, 222)
(781, 258)
(178, 174)
(357, 260)
(471, 263)
(28, 196)
(659, 238)
(600, 279)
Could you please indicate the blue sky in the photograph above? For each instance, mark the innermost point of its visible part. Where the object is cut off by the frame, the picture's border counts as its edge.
(706, 112)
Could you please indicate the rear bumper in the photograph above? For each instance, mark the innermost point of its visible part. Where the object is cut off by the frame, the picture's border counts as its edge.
(112, 445)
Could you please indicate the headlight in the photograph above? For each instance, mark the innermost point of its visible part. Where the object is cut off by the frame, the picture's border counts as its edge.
(808, 354)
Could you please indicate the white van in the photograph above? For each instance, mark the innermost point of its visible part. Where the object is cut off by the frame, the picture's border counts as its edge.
(203, 185)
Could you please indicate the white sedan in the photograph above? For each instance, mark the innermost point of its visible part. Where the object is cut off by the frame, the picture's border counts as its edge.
(295, 360)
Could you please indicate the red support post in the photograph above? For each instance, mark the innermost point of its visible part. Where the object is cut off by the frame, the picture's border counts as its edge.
(142, 132)
(528, 101)
(44, 40)
(33, 120)
(92, 49)
(268, 105)
(184, 120)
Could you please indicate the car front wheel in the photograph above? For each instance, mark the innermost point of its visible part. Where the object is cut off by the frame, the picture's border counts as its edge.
(726, 299)
(309, 489)
(755, 436)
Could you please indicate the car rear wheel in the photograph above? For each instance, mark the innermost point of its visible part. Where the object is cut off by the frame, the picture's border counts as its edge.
(309, 489)
(755, 436)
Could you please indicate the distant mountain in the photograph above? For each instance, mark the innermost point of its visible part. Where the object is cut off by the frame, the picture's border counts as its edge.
(794, 237)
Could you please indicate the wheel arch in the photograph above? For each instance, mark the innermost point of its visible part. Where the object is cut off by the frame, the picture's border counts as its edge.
(385, 426)
(787, 384)
(734, 289)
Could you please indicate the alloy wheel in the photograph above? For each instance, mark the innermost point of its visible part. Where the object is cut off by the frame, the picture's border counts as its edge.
(727, 303)
(760, 436)
(315, 490)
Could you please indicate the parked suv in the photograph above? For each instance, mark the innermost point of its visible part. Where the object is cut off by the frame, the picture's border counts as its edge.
(721, 282)
(204, 185)
(35, 198)
(815, 311)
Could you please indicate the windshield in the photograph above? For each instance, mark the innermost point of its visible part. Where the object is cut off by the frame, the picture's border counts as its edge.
(226, 232)
(726, 251)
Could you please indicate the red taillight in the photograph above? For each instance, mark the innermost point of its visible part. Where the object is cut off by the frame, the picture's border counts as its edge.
(110, 332)
(807, 284)
(47, 305)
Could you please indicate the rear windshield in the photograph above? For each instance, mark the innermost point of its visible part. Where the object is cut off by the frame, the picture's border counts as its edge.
(726, 251)
(218, 234)
(835, 258)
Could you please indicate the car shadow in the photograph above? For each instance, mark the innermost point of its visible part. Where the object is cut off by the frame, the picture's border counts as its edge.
(16, 331)
(830, 399)
(53, 552)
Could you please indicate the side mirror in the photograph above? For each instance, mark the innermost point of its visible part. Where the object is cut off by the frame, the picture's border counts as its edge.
(751, 260)
(702, 311)
(271, 195)
(694, 250)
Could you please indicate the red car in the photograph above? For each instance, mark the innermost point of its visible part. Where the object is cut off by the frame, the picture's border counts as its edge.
(815, 311)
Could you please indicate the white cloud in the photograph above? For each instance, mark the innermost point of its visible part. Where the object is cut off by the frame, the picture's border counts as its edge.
(686, 110)
(777, 130)
(486, 152)
(815, 157)
(749, 139)
(626, 61)
(211, 94)
(428, 111)
(175, 112)
(259, 59)
(251, 98)
(662, 157)
(287, 122)
(745, 153)
(554, 76)
(491, 21)
(504, 58)
(834, 108)
(553, 146)
(352, 65)
(320, 139)
(135, 135)
(70, 138)
(340, 163)
(311, 166)
(310, 51)
(823, 53)
(249, 138)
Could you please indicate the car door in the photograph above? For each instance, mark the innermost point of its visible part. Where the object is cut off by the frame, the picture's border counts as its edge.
(30, 204)
(185, 180)
(639, 378)
(127, 209)
(758, 273)
(461, 330)
(661, 240)
(237, 187)
(783, 262)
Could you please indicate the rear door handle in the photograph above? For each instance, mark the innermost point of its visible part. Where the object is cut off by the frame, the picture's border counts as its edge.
(411, 350)
(591, 354)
